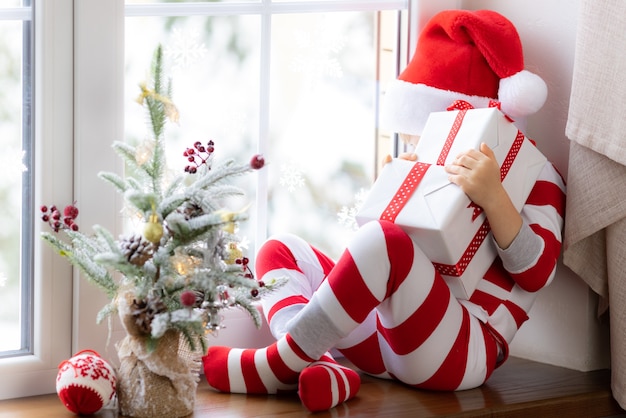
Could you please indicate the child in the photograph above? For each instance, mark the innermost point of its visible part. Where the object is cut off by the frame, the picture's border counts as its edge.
(383, 305)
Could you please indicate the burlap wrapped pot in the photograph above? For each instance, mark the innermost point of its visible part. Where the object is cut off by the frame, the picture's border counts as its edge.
(158, 383)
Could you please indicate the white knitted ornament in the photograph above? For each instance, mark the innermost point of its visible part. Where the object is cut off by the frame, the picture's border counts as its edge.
(85, 383)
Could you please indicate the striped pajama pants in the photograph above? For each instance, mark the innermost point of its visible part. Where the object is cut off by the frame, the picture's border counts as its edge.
(398, 316)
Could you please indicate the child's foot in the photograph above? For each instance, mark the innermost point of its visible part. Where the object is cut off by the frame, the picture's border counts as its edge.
(325, 384)
(265, 370)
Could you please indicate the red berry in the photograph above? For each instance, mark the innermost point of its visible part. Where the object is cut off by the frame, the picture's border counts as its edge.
(261, 283)
(188, 298)
(45, 218)
(44, 208)
(257, 162)
(74, 227)
(254, 293)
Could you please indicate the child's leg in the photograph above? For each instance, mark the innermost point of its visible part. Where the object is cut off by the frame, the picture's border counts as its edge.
(324, 383)
(305, 267)
(337, 307)
(373, 269)
(427, 338)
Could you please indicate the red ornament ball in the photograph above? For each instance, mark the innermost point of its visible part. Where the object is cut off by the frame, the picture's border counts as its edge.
(85, 383)
(257, 162)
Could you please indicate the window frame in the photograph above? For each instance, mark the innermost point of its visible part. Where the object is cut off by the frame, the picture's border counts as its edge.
(34, 373)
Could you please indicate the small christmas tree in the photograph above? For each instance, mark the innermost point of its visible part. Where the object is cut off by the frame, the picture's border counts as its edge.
(187, 265)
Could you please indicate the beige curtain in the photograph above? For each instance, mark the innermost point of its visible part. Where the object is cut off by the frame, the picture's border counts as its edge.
(595, 222)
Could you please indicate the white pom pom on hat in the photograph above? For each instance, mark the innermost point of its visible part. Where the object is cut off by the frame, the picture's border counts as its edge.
(470, 55)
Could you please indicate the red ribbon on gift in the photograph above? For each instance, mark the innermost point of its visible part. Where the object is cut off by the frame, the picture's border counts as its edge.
(456, 126)
(457, 270)
(404, 193)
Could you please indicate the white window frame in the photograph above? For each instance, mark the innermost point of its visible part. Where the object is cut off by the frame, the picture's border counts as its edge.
(35, 373)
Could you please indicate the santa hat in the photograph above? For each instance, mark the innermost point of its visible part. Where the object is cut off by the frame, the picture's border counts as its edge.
(474, 56)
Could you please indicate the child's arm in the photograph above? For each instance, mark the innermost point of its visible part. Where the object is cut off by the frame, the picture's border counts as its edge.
(477, 173)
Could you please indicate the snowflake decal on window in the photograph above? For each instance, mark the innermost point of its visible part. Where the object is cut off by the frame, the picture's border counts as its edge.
(185, 49)
(318, 49)
(291, 177)
(347, 215)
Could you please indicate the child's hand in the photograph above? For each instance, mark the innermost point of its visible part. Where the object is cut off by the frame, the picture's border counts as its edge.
(404, 156)
(477, 173)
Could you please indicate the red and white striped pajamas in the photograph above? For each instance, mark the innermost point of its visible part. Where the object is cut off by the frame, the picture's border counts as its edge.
(388, 311)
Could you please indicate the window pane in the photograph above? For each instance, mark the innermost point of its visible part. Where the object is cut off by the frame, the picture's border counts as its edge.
(322, 136)
(316, 121)
(10, 3)
(14, 191)
(214, 65)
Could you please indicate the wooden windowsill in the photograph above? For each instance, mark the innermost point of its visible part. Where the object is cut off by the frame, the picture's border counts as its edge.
(520, 388)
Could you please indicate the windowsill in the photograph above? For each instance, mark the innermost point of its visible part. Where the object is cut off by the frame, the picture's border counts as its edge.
(519, 388)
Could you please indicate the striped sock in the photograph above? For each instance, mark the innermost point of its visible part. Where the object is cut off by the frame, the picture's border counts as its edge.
(267, 370)
(325, 384)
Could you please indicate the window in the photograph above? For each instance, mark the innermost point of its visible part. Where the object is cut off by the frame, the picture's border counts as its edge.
(15, 181)
(298, 81)
(36, 292)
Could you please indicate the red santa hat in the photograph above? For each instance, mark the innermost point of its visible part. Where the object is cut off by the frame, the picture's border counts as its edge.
(470, 55)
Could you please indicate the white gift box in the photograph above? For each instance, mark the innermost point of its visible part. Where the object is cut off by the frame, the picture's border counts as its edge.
(439, 217)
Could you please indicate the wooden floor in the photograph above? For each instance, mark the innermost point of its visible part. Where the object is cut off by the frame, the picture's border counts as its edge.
(520, 388)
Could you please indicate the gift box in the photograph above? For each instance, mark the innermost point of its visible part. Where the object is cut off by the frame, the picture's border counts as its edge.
(451, 231)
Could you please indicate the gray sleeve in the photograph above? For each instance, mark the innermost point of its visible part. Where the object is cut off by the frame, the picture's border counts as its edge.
(523, 252)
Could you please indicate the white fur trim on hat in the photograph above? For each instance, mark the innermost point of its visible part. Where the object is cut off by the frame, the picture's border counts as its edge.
(406, 106)
(522, 94)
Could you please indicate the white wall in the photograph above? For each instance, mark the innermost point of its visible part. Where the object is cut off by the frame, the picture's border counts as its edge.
(563, 329)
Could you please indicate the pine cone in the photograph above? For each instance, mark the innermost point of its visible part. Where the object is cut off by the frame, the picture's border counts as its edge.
(199, 298)
(144, 311)
(137, 250)
(192, 210)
